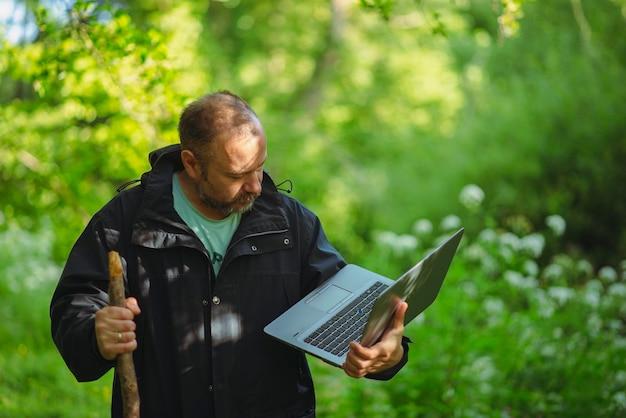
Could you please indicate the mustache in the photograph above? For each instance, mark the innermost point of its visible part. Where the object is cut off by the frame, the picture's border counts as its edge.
(246, 197)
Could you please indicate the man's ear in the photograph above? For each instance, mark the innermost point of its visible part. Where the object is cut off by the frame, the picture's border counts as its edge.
(191, 164)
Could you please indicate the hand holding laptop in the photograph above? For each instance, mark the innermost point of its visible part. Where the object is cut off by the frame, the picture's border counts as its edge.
(358, 304)
(383, 355)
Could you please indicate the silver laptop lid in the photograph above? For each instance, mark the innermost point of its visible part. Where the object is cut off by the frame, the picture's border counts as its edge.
(418, 286)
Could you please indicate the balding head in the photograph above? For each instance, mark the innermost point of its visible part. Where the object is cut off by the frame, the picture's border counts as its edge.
(213, 116)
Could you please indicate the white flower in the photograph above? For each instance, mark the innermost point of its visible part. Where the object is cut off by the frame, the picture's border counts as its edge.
(557, 224)
(516, 279)
(546, 305)
(561, 294)
(548, 350)
(489, 264)
(513, 278)
(594, 325)
(506, 253)
(493, 306)
(585, 267)
(470, 289)
(471, 196)
(591, 297)
(531, 268)
(386, 238)
(594, 285)
(534, 243)
(615, 324)
(482, 369)
(617, 289)
(487, 235)
(405, 243)
(620, 400)
(553, 271)
(511, 240)
(399, 244)
(422, 227)
(450, 222)
(608, 274)
(475, 252)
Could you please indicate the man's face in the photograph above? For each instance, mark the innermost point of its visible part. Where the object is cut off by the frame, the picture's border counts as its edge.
(231, 172)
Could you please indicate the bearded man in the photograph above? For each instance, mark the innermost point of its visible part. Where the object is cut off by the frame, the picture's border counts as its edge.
(213, 252)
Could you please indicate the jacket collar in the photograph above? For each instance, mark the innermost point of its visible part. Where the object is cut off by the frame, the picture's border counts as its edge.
(157, 208)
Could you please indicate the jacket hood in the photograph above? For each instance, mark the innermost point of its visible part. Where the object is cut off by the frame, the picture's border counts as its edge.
(169, 153)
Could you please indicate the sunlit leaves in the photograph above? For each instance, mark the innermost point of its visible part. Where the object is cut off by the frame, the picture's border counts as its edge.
(384, 7)
(107, 94)
(510, 17)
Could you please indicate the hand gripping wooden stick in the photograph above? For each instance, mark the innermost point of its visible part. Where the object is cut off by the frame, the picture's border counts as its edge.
(125, 367)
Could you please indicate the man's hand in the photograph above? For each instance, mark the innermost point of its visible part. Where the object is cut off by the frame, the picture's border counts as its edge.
(115, 329)
(381, 356)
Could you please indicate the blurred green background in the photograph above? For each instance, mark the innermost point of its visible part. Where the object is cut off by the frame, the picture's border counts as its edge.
(396, 121)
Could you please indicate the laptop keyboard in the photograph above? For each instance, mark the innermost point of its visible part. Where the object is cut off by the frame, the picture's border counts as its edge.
(335, 335)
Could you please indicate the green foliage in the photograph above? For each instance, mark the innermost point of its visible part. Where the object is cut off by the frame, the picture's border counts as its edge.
(378, 122)
(35, 381)
(104, 96)
(556, 108)
(384, 7)
(505, 337)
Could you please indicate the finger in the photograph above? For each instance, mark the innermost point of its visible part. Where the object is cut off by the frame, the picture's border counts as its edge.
(125, 337)
(124, 347)
(122, 326)
(131, 303)
(364, 353)
(115, 312)
(115, 325)
(352, 371)
(396, 326)
(398, 317)
(375, 368)
(356, 362)
(115, 343)
(108, 329)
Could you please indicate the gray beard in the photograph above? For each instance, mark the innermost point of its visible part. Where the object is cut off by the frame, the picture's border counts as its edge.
(226, 208)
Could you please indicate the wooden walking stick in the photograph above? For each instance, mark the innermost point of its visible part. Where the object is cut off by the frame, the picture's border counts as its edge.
(125, 367)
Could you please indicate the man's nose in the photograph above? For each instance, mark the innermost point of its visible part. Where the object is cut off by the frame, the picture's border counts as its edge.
(253, 184)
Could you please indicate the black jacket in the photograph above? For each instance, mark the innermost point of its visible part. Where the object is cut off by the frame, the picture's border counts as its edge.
(201, 347)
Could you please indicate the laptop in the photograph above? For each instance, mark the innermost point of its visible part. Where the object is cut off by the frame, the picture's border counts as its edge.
(357, 305)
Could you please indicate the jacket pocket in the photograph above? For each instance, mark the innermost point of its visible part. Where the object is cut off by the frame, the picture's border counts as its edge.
(269, 243)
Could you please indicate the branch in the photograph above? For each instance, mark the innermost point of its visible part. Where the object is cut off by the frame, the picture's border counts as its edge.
(583, 24)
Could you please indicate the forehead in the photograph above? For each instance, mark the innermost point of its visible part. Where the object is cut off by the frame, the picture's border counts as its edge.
(238, 151)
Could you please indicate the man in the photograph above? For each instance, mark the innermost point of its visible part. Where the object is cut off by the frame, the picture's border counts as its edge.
(213, 253)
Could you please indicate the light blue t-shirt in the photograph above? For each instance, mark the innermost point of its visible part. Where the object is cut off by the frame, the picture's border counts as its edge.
(215, 235)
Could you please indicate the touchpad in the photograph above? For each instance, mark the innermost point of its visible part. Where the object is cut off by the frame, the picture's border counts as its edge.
(328, 298)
